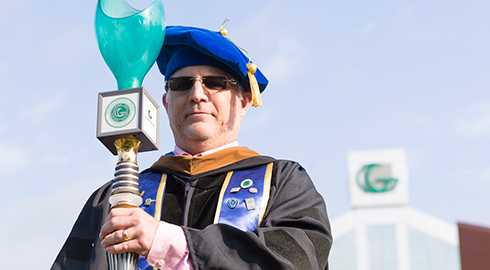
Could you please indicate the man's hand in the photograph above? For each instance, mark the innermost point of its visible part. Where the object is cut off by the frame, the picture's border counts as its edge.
(140, 230)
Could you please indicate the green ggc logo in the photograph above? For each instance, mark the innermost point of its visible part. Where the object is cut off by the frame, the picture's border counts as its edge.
(376, 178)
(120, 112)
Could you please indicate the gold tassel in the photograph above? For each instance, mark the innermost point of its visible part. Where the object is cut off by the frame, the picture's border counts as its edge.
(254, 86)
(251, 69)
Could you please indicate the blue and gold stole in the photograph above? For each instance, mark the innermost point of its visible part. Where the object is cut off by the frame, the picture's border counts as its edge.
(243, 198)
(242, 201)
(152, 190)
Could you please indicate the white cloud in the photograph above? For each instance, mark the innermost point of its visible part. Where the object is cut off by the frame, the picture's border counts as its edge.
(345, 78)
(422, 37)
(417, 158)
(4, 70)
(13, 158)
(425, 124)
(9, 8)
(407, 11)
(458, 173)
(287, 59)
(4, 121)
(473, 175)
(67, 50)
(39, 225)
(283, 51)
(258, 120)
(476, 123)
(483, 176)
(474, 128)
(38, 110)
(370, 27)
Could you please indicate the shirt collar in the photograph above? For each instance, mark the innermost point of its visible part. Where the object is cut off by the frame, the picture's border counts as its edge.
(178, 151)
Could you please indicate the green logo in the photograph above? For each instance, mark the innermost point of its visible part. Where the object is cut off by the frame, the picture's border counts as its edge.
(376, 178)
(120, 112)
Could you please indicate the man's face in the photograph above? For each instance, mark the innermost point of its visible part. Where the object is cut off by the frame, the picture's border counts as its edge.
(207, 117)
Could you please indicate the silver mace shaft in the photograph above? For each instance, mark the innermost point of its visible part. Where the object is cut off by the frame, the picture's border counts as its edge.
(125, 193)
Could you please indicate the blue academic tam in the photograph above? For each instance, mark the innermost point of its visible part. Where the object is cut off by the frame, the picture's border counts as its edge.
(191, 46)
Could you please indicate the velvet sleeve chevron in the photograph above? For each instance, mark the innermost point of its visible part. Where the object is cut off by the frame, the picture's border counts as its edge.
(295, 232)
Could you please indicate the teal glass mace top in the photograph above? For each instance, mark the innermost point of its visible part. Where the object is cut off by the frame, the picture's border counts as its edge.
(129, 39)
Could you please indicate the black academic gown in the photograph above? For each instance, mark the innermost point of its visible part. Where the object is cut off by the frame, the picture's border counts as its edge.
(294, 233)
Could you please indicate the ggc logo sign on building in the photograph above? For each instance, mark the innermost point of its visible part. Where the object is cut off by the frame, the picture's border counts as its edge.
(376, 178)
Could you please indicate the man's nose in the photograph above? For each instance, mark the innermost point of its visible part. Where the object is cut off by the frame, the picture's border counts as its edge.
(197, 92)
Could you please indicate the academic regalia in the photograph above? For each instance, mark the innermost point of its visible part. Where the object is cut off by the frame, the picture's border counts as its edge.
(294, 232)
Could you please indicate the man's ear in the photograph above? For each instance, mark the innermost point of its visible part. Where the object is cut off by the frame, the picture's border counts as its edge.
(245, 102)
(164, 101)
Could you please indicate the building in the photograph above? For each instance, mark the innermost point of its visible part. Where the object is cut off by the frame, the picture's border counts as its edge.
(382, 232)
(474, 243)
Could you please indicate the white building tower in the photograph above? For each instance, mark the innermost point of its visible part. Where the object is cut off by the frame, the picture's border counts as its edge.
(382, 232)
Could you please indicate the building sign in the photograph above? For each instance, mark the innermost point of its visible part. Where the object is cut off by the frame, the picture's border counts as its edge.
(378, 178)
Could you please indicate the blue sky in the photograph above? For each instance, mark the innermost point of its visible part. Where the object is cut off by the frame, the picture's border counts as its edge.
(344, 75)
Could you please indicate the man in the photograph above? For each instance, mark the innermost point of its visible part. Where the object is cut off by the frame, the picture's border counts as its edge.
(209, 204)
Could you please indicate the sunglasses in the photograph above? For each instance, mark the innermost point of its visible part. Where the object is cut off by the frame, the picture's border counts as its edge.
(210, 82)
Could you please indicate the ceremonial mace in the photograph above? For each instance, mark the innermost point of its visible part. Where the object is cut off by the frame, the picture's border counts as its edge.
(127, 119)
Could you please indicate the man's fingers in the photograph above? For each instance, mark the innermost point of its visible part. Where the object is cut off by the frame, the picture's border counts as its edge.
(140, 230)
(115, 224)
(122, 241)
(128, 246)
(119, 212)
(118, 237)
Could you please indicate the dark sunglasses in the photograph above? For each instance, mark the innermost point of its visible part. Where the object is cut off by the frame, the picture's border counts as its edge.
(210, 82)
